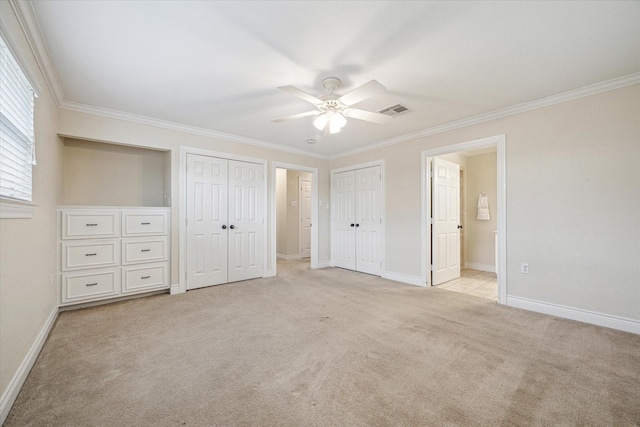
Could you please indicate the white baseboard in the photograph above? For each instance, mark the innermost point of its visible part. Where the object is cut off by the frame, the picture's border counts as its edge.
(324, 264)
(586, 316)
(293, 257)
(404, 278)
(269, 273)
(175, 289)
(490, 268)
(11, 392)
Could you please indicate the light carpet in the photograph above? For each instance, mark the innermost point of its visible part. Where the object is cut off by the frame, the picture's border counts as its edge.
(327, 347)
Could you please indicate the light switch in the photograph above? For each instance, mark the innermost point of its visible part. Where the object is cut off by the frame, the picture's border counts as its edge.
(294, 203)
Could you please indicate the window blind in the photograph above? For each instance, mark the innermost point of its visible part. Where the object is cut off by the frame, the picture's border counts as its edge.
(17, 144)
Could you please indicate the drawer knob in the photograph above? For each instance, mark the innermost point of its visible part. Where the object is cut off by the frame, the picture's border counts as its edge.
(145, 223)
(91, 284)
(145, 250)
(92, 225)
(90, 254)
(145, 277)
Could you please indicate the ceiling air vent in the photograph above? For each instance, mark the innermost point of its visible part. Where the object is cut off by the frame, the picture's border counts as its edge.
(394, 110)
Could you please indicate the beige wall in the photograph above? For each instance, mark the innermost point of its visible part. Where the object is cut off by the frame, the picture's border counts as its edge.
(572, 195)
(92, 127)
(481, 177)
(112, 175)
(28, 246)
(281, 211)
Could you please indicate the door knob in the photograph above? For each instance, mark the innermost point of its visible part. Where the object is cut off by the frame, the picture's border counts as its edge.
(459, 226)
(232, 227)
(357, 225)
(353, 225)
(224, 227)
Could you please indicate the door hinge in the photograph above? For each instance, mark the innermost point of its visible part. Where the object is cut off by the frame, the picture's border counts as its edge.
(431, 174)
(431, 220)
(431, 266)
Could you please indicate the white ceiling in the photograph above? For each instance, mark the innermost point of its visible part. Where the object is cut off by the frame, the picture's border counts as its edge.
(216, 65)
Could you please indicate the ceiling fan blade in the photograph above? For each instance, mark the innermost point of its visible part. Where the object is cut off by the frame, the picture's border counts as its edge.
(297, 116)
(366, 115)
(363, 92)
(301, 94)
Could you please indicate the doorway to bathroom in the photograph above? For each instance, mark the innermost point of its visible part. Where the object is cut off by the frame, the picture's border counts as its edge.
(463, 209)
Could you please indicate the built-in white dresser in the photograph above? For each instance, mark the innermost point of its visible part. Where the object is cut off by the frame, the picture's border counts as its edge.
(111, 252)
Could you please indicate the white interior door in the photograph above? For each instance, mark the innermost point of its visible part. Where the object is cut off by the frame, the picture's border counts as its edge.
(304, 203)
(245, 220)
(445, 211)
(206, 216)
(344, 220)
(368, 221)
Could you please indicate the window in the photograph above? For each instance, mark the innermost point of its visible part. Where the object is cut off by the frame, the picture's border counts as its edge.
(17, 145)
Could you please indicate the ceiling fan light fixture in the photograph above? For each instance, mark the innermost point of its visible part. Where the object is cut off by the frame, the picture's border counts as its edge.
(321, 121)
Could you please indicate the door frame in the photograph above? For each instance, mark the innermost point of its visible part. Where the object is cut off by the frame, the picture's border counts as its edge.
(182, 209)
(272, 259)
(381, 242)
(300, 179)
(499, 141)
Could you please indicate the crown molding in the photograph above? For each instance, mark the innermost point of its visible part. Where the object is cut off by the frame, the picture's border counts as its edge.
(31, 28)
(145, 120)
(497, 114)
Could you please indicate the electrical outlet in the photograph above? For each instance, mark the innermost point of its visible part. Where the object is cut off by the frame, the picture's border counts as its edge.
(524, 268)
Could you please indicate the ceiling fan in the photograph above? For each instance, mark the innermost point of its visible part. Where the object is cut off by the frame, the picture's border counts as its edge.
(332, 110)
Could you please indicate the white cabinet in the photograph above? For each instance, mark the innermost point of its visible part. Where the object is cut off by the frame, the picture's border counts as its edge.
(111, 252)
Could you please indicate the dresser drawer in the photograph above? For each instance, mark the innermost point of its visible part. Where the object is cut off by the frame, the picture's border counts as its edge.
(135, 251)
(90, 285)
(147, 277)
(88, 224)
(90, 254)
(144, 223)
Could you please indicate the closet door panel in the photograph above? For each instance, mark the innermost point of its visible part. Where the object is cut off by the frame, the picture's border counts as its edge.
(246, 215)
(368, 221)
(344, 220)
(207, 184)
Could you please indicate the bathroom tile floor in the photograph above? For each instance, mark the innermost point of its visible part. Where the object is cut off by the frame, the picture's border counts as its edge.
(474, 282)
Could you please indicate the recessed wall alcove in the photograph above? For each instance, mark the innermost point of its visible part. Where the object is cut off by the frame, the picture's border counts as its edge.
(102, 174)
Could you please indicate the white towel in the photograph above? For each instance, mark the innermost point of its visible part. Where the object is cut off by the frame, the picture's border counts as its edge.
(483, 208)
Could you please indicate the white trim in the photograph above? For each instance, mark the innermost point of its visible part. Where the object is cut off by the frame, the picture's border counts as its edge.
(16, 209)
(11, 392)
(445, 127)
(315, 226)
(489, 268)
(404, 278)
(175, 289)
(182, 209)
(383, 218)
(28, 21)
(582, 92)
(586, 316)
(500, 142)
(194, 130)
(324, 264)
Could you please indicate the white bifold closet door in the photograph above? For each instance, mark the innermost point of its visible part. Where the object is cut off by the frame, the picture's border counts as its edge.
(357, 220)
(224, 221)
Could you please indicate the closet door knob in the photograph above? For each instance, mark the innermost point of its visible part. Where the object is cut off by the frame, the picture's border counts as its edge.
(459, 226)
(232, 227)
(224, 227)
(353, 225)
(357, 225)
